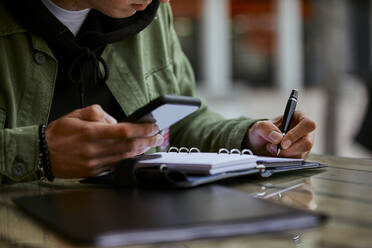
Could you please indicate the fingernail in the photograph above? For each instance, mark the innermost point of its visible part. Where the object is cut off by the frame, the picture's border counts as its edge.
(110, 119)
(275, 136)
(155, 130)
(286, 144)
(159, 140)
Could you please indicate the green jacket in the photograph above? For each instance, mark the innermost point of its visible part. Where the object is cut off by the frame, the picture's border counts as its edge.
(142, 68)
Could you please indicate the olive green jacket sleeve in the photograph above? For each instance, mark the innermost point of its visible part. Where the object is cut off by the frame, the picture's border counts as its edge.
(204, 129)
(18, 158)
(20, 110)
(25, 94)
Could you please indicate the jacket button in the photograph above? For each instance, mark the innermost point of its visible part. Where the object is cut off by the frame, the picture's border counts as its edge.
(19, 169)
(40, 58)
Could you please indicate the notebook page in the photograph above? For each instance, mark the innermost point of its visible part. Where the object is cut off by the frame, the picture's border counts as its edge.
(211, 163)
(268, 161)
(201, 160)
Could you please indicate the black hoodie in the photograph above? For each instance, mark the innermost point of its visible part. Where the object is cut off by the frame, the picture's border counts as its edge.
(80, 82)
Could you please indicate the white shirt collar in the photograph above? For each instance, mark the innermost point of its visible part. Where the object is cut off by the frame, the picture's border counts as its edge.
(73, 20)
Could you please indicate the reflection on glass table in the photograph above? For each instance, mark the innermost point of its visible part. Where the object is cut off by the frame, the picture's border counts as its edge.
(297, 193)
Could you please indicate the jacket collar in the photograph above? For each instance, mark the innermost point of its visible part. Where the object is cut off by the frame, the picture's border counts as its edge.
(9, 25)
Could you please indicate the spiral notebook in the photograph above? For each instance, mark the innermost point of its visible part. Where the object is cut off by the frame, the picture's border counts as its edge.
(206, 163)
(183, 167)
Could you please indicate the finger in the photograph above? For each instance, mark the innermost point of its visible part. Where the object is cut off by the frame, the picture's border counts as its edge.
(123, 130)
(127, 148)
(268, 131)
(301, 148)
(99, 164)
(303, 127)
(271, 150)
(95, 166)
(93, 113)
(109, 162)
(139, 145)
(306, 155)
(107, 165)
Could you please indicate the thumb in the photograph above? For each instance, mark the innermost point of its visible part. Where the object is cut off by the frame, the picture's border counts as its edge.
(93, 113)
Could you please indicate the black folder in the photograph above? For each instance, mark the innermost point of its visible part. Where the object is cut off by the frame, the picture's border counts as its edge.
(127, 174)
(124, 216)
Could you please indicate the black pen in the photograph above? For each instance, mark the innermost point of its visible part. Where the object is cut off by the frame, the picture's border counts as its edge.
(288, 114)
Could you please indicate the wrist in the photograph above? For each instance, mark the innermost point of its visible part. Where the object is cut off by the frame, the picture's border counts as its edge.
(44, 166)
(247, 144)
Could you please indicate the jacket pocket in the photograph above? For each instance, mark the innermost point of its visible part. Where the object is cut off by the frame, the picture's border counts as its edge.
(2, 118)
(161, 81)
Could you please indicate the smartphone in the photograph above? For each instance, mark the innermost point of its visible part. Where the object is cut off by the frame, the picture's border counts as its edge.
(165, 110)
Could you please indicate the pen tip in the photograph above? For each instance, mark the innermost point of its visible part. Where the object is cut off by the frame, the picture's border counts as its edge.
(278, 152)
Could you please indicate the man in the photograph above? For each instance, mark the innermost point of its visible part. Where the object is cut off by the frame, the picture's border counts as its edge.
(81, 66)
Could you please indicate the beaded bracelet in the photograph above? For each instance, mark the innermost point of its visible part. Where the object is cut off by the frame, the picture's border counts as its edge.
(45, 170)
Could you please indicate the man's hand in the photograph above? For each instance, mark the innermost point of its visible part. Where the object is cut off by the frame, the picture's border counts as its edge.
(88, 141)
(264, 137)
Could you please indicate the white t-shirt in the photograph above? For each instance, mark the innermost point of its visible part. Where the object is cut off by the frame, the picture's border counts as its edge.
(73, 20)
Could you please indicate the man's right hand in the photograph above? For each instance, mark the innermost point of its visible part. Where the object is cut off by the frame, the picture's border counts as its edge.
(88, 141)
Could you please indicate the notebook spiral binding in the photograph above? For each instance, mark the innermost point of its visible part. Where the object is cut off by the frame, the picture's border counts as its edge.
(220, 151)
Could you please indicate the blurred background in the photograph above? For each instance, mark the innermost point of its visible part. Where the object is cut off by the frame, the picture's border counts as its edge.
(248, 55)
